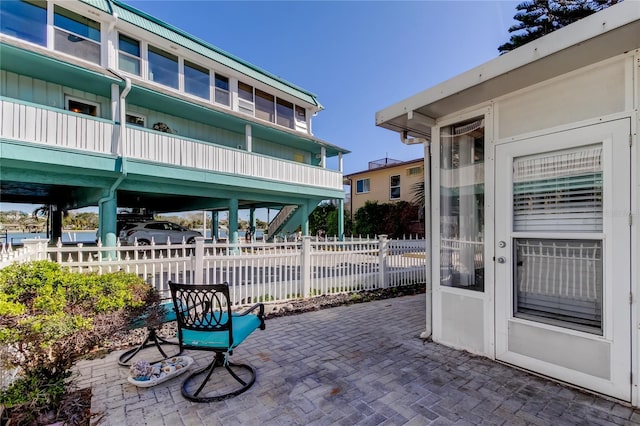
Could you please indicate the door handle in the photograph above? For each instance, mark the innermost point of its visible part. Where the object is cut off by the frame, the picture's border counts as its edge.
(501, 259)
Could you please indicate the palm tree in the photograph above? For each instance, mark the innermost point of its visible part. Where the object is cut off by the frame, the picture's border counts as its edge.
(417, 190)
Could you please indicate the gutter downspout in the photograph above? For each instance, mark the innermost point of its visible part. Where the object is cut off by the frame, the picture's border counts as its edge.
(122, 135)
(426, 334)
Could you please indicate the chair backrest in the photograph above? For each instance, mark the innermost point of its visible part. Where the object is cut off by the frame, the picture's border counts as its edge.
(203, 308)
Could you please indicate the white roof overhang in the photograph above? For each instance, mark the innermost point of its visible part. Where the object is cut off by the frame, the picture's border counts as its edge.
(605, 34)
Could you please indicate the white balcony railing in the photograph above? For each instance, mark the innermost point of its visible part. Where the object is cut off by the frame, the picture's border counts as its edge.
(53, 127)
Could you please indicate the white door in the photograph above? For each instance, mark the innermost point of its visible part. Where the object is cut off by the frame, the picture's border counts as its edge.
(563, 256)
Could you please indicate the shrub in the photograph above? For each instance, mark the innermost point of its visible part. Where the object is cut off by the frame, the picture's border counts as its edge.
(49, 317)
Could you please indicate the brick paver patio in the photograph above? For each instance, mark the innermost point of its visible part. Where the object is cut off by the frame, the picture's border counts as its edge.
(361, 364)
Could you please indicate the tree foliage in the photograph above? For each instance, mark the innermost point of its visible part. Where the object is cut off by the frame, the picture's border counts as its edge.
(324, 220)
(393, 219)
(537, 18)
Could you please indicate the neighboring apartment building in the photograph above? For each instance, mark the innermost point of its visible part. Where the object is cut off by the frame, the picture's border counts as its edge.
(385, 181)
(103, 105)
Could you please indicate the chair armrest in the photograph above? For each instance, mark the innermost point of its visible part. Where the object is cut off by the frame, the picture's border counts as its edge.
(260, 307)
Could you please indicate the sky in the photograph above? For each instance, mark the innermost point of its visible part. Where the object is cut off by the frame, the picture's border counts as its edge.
(358, 57)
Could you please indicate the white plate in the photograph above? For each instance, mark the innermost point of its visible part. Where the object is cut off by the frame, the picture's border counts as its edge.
(155, 380)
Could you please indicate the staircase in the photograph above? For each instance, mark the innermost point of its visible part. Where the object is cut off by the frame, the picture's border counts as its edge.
(279, 222)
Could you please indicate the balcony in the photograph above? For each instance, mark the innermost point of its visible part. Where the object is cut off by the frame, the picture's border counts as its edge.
(27, 122)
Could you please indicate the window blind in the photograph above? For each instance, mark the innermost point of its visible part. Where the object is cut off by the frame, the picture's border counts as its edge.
(561, 191)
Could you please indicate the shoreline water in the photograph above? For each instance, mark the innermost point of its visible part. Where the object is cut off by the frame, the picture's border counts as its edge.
(68, 236)
(87, 236)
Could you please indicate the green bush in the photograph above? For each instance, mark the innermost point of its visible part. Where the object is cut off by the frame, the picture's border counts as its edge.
(50, 317)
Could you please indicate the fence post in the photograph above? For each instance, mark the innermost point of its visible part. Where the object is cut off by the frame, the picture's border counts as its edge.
(198, 262)
(36, 247)
(383, 282)
(305, 266)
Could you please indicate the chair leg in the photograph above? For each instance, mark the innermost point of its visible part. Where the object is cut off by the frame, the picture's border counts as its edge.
(152, 339)
(218, 361)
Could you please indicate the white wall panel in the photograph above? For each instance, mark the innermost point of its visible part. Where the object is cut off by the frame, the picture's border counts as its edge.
(588, 93)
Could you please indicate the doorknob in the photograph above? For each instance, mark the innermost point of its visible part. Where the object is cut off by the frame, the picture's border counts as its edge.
(501, 259)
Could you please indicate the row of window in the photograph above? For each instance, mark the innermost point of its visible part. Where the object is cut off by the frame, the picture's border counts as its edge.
(80, 36)
(364, 186)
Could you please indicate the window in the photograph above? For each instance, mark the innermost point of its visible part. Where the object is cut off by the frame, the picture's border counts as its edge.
(26, 20)
(136, 120)
(362, 186)
(559, 193)
(301, 115)
(76, 35)
(462, 205)
(128, 54)
(163, 67)
(196, 80)
(265, 106)
(284, 111)
(245, 98)
(222, 90)
(394, 187)
(82, 107)
(559, 280)
(413, 171)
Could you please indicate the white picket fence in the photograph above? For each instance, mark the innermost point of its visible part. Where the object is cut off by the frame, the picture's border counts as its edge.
(269, 272)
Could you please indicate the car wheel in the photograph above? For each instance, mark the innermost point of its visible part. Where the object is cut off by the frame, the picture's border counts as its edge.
(191, 240)
(144, 242)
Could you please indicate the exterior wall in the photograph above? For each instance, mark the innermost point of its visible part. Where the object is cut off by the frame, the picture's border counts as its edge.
(46, 93)
(260, 146)
(50, 94)
(594, 91)
(600, 93)
(379, 181)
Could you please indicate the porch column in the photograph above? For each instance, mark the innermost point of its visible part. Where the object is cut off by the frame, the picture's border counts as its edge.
(107, 215)
(252, 222)
(247, 138)
(56, 224)
(215, 223)
(233, 220)
(341, 219)
(304, 221)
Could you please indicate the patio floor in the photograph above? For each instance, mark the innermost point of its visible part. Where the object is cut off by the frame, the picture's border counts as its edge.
(359, 364)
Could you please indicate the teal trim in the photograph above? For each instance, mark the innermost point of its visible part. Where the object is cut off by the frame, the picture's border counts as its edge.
(56, 157)
(222, 180)
(46, 68)
(149, 23)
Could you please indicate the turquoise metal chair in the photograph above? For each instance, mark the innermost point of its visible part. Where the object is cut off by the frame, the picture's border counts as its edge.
(206, 323)
(166, 314)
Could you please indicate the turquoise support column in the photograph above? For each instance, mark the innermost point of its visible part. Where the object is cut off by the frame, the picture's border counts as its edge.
(107, 212)
(252, 220)
(233, 220)
(304, 220)
(341, 220)
(56, 224)
(215, 223)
